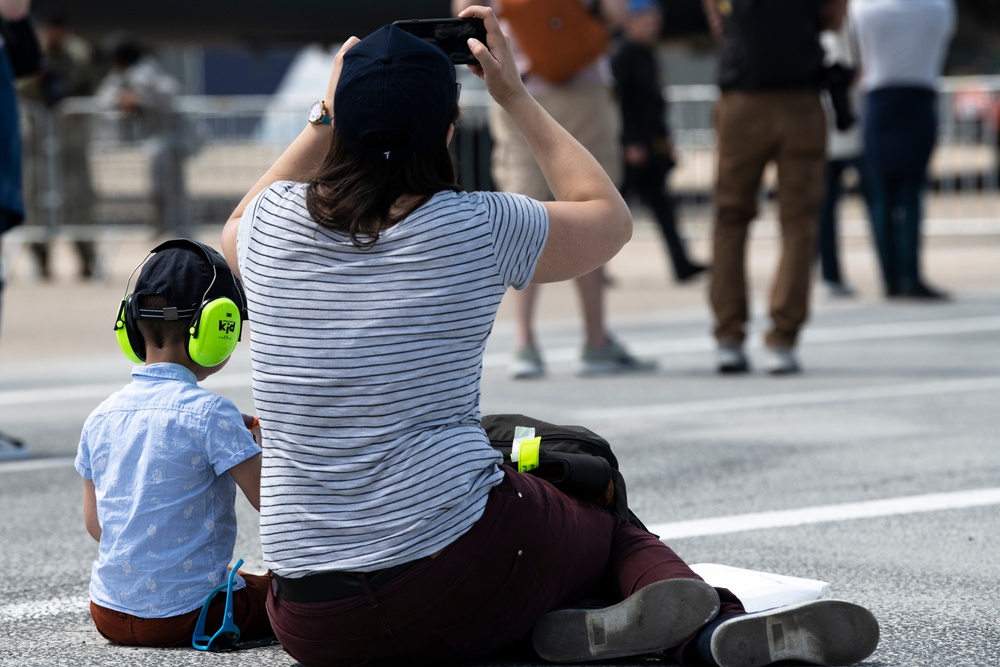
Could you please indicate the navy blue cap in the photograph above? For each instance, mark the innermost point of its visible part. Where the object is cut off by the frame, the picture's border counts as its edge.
(394, 82)
(186, 273)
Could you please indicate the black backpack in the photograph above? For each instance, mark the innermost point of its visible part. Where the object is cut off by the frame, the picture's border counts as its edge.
(574, 459)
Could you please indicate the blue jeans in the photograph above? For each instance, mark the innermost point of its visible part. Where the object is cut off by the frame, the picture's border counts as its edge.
(897, 213)
(827, 248)
(900, 130)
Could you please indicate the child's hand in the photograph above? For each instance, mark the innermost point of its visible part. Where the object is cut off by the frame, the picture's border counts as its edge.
(253, 424)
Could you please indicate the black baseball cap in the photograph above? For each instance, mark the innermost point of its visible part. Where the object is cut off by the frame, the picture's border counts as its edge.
(186, 273)
(396, 83)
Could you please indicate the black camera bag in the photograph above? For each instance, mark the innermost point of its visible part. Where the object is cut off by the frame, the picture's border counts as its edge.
(574, 459)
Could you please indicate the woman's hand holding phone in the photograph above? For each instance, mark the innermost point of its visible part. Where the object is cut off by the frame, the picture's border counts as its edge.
(495, 59)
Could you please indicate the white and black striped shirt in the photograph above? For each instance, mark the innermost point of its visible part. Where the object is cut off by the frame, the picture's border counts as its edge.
(366, 371)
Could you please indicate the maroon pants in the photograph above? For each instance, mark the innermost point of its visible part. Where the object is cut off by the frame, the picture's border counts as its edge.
(249, 614)
(534, 550)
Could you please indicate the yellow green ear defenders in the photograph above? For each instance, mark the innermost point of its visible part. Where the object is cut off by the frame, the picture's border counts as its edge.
(214, 327)
(129, 338)
(214, 332)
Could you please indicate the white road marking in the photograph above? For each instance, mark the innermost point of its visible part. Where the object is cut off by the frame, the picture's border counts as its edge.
(30, 465)
(901, 330)
(824, 397)
(724, 525)
(811, 336)
(938, 327)
(50, 395)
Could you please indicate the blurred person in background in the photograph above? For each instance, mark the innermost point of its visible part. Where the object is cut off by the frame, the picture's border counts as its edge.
(56, 143)
(903, 45)
(769, 110)
(20, 56)
(845, 155)
(584, 104)
(646, 146)
(145, 94)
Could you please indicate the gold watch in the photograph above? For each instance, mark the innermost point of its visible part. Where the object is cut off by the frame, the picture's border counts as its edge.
(318, 113)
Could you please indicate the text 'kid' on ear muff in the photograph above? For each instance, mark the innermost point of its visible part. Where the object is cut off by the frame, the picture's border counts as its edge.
(214, 328)
(214, 332)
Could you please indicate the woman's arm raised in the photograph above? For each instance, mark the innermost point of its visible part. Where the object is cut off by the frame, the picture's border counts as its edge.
(589, 222)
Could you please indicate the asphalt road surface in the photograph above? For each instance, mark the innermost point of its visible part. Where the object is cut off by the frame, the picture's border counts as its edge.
(877, 470)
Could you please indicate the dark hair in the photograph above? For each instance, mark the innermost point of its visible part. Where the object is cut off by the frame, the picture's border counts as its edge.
(53, 19)
(123, 50)
(160, 333)
(355, 196)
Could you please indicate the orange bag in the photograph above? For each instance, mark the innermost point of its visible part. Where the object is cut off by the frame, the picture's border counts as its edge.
(560, 37)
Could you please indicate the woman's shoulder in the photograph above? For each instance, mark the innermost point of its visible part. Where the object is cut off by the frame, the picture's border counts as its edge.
(494, 199)
(287, 188)
(493, 205)
(473, 209)
(459, 199)
(279, 192)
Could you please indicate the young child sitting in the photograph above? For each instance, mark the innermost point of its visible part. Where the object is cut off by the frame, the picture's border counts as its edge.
(162, 457)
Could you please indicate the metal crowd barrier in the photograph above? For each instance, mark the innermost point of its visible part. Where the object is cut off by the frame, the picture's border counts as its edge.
(91, 173)
(965, 167)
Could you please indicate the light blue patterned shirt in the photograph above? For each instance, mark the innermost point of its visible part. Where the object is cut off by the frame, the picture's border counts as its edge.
(158, 451)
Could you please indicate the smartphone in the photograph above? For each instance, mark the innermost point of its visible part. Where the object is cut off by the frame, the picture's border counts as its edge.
(449, 35)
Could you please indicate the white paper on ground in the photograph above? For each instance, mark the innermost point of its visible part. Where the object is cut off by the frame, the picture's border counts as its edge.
(761, 590)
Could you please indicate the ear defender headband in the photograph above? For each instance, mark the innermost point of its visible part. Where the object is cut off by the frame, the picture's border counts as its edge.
(215, 325)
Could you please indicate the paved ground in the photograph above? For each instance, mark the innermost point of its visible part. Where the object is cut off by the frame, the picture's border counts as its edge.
(876, 470)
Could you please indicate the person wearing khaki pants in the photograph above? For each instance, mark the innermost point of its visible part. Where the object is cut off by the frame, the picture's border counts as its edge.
(583, 104)
(770, 76)
(754, 129)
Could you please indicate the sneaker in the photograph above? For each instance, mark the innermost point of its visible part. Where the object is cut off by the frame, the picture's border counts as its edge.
(920, 291)
(782, 361)
(612, 358)
(652, 619)
(839, 290)
(730, 358)
(819, 632)
(527, 363)
(689, 272)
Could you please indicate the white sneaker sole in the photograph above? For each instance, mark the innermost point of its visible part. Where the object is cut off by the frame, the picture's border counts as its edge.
(820, 632)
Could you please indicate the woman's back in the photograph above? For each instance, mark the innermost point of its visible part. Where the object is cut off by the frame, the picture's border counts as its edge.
(902, 43)
(366, 373)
